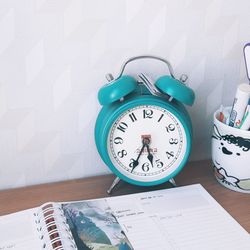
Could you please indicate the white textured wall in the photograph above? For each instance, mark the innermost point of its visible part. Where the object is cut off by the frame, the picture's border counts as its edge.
(54, 55)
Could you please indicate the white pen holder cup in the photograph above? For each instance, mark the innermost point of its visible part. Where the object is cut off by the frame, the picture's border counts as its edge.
(231, 155)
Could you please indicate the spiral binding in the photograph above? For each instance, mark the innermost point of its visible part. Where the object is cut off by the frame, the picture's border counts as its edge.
(53, 230)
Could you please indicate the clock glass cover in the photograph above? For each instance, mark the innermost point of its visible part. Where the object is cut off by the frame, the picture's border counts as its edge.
(147, 143)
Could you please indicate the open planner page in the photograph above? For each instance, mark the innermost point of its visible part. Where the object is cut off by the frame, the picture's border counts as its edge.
(185, 218)
(18, 231)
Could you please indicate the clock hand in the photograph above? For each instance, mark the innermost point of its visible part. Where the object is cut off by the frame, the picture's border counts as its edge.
(150, 156)
(135, 163)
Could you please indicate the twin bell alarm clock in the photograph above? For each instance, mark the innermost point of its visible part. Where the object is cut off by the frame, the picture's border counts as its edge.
(143, 132)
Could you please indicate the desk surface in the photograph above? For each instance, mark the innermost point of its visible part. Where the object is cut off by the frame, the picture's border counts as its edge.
(237, 204)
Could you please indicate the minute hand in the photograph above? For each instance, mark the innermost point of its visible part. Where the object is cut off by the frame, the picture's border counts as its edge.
(136, 162)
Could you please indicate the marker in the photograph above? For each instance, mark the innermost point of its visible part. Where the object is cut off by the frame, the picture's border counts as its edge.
(239, 106)
(245, 124)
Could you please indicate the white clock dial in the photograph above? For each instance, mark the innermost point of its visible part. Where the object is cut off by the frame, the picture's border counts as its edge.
(147, 143)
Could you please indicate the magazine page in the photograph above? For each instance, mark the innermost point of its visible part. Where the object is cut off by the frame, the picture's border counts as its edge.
(94, 227)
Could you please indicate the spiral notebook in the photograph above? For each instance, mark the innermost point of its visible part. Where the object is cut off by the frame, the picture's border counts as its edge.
(178, 218)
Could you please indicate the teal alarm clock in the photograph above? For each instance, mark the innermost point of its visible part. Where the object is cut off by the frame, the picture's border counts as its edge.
(143, 132)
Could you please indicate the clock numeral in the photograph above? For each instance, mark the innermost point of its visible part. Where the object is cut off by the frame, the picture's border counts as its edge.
(159, 164)
(148, 113)
(145, 167)
(133, 117)
(160, 117)
(173, 141)
(170, 127)
(118, 140)
(122, 126)
(170, 154)
(122, 153)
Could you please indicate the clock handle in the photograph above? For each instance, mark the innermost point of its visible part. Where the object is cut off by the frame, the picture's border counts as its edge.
(151, 87)
(171, 71)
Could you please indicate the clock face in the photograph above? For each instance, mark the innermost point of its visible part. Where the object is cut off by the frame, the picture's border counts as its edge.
(147, 143)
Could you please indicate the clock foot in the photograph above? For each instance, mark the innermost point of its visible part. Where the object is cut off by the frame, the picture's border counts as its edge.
(172, 181)
(115, 182)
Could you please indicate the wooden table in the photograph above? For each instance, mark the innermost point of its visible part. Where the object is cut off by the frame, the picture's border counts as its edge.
(237, 204)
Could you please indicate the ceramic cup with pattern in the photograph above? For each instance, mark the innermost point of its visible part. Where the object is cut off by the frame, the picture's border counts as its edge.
(231, 155)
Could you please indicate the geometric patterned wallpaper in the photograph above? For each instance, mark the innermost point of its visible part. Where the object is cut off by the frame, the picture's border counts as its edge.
(54, 55)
